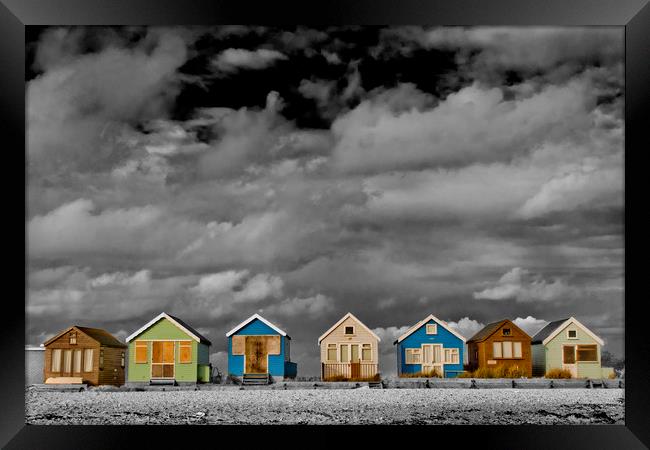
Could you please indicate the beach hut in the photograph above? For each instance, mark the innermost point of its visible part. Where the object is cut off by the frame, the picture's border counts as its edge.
(84, 355)
(349, 350)
(500, 344)
(430, 348)
(568, 344)
(258, 350)
(167, 350)
(34, 364)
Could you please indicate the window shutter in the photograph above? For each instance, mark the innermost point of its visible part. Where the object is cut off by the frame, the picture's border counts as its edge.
(238, 344)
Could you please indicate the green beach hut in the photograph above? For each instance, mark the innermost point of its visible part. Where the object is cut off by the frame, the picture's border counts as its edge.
(568, 345)
(168, 351)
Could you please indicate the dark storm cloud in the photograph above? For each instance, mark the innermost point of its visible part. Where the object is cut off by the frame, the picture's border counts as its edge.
(302, 173)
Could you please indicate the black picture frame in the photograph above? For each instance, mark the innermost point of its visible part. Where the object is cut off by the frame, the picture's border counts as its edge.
(634, 15)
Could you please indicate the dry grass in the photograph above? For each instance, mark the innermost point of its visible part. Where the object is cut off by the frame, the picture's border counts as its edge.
(612, 376)
(429, 374)
(496, 372)
(558, 373)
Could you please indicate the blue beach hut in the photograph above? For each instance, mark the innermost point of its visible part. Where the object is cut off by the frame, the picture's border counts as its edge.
(430, 348)
(259, 349)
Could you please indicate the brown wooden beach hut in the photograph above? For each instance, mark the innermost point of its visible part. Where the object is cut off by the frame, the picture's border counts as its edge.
(90, 355)
(500, 343)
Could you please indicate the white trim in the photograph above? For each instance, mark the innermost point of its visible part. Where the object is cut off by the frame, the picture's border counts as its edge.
(565, 324)
(569, 337)
(163, 315)
(249, 320)
(348, 315)
(423, 321)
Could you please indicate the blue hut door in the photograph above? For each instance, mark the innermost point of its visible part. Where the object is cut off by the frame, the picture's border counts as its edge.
(432, 359)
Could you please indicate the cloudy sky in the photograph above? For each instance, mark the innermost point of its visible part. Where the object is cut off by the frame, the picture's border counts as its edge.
(470, 173)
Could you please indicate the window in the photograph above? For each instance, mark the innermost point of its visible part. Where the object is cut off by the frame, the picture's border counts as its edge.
(587, 353)
(88, 359)
(496, 349)
(67, 361)
(331, 352)
(345, 354)
(506, 331)
(572, 334)
(73, 338)
(366, 352)
(432, 328)
(507, 349)
(76, 361)
(122, 360)
(517, 349)
(451, 356)
(569, 354)
(56, 360)
(101, 359)
(185, 351)
(349, 330)
(413, 356)
(141, 350)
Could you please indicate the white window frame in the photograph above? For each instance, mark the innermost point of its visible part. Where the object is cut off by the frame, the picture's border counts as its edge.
(413, 352)
(336, 352)
(366, 347)
(345, 329)
(569, 336)
(454, 355)
(432, 326)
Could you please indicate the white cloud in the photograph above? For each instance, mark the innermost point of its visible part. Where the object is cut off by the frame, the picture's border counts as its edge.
(390, 334)
(234, 59)
(70, 105)
(583, 186)
(466, 327)
(530, 324)
(524, 286)
(475, 124)
(308, 307)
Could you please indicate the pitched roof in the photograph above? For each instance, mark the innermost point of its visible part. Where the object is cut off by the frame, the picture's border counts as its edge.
(560, 325)
(341, 320)
(250, 319)
(546, 331)
(102, 336)
(175, 321)
(418, 325)
(487, 331)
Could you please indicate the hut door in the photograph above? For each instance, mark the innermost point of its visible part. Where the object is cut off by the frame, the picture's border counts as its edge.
(162, 359)
(569, 359)
(256, 354)
(432, 358)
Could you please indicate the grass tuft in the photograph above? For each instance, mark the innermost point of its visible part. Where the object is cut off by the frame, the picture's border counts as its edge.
(558, 373)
